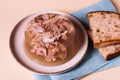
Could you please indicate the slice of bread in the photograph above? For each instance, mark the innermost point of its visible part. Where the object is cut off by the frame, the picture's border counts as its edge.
(110, 52)
(105, 32)
(104, 28)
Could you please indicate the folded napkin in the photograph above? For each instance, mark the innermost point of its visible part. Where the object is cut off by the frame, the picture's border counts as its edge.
(93, 61)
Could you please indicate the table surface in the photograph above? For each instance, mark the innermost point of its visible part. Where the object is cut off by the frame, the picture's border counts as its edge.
(12, 11)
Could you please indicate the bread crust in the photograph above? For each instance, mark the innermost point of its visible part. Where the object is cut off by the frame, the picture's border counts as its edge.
(112, 55)
(87, 16)
(104, 44)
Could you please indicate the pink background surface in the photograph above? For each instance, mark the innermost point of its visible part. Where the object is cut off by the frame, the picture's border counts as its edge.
(12, 11)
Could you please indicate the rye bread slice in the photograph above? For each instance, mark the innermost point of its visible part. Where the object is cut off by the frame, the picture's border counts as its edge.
(104, 28)
(110, 52)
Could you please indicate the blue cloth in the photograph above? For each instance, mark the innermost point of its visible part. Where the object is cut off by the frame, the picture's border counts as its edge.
(93, 61)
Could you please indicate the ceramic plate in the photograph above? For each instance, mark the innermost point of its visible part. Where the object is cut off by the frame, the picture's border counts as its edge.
(17, 41)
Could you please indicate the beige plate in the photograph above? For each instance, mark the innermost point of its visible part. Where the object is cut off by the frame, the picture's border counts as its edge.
(17, 40)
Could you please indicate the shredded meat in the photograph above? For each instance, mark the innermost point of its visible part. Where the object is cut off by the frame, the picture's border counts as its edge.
(48, 30)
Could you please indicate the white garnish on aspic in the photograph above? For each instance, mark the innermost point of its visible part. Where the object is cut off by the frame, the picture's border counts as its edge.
(41, 29)
(62, 34)
(48, 40)
(53, 58)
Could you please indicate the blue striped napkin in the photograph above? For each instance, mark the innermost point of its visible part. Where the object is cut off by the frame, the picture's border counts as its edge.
(92, 61)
